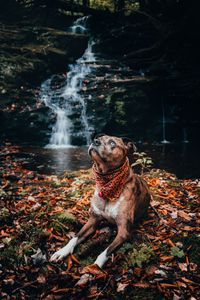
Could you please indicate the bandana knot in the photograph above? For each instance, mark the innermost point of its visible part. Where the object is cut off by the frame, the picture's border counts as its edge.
(112, 184)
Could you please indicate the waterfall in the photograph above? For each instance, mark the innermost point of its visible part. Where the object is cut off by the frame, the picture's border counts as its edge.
(164, 141)
(185, 138)
(64, 98)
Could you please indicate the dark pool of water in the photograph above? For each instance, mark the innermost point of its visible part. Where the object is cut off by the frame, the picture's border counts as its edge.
(57, 161)
(181, 159)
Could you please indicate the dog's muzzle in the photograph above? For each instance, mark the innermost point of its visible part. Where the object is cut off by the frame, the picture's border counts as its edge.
(94, 146)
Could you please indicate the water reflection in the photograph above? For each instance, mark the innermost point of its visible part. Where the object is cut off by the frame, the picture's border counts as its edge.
(57, 161)
(181, 159)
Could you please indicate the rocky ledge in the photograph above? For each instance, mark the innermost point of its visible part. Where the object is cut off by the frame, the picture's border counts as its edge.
(29, 54)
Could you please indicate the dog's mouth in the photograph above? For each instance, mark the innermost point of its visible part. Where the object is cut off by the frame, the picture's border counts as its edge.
(94, 152)
(91, 149)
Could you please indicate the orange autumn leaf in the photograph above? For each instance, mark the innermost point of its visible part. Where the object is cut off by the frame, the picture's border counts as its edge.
(3, 233)
(57, 237)
(75, 259)
(168, 285)
(170, 243)
(141, 285)
(186, 280)
(93, 269)
(184, 215)
(190, 228)
(69, 263)
(59, 291)
(154, 181)
(166, 258)
(176, 203)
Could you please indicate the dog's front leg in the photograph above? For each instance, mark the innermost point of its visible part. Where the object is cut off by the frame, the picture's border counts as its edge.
(121, 237)
(86, 230)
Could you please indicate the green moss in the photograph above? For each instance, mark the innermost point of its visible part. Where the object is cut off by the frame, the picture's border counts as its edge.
(4, 215)
(9, 257)
(66, 217)
(60, 221)
(198, 190)
(137, 256)
(126, 247)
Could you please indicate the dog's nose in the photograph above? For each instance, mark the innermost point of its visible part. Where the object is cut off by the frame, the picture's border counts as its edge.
(96, 142)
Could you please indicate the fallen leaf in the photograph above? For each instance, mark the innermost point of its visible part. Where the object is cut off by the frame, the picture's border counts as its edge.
(161, 273)
(121, 286)
(184, 215)
(166, 258)
(93, 269)
(168, 285)
(193, 267)
(41, 278)
(188, 280)
(38, 257)
(183, 266)
(85, 278)
(69, 263)
(142, 285)
(170, 243)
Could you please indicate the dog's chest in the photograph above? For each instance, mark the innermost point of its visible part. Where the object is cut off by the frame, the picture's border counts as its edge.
(106, 209)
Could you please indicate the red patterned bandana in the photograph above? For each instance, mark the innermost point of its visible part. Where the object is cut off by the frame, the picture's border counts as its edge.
(112, 184)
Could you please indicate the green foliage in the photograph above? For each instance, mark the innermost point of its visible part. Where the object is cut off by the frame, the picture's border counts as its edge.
(66, 217)
(138, 256)
(143, 161)
(126, 247)
(112, 5)
(177, 252)
(4, 215)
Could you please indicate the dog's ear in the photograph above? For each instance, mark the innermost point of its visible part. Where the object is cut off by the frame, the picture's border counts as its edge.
(131, 148)
(129, 144)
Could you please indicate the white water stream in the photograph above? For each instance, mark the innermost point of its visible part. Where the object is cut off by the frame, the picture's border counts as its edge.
(65, 99)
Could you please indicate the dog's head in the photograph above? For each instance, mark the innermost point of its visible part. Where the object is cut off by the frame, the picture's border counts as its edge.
(110, 152)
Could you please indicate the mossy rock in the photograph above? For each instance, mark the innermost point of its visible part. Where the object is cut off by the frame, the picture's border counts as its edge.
(66, 217)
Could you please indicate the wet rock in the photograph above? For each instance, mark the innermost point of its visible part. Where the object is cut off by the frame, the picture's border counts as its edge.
(29, 54)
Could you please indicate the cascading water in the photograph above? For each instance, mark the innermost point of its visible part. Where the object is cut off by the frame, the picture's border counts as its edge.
(164, 141)
(64, 98)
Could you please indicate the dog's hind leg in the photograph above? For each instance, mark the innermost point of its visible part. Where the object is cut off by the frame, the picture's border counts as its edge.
(85, 232)
(120, 238)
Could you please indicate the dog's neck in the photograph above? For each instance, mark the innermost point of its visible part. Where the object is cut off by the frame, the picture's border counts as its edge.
(111, 184)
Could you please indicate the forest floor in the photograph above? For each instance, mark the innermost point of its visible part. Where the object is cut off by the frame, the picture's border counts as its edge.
(39, 213)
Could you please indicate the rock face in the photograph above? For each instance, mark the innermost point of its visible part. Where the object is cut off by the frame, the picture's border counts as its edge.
(125, 93)
(31, 53)
(28, 55)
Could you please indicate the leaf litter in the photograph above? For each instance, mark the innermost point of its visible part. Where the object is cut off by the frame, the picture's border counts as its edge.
(40, 213)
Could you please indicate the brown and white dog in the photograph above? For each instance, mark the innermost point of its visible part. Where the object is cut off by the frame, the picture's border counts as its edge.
(120, 197)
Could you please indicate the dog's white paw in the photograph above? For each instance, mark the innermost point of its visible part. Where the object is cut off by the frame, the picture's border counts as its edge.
(59, 255)
(101, 259)
(65, 251)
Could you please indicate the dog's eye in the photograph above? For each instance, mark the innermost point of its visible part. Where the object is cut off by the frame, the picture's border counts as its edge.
(112, 143)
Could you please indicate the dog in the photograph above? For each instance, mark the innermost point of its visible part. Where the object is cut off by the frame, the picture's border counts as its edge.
(121, 197)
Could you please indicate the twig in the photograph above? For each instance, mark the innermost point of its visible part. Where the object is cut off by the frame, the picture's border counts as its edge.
(24, 286)
(104, 287)
(156, 212)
